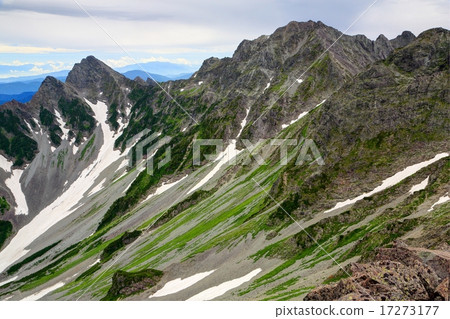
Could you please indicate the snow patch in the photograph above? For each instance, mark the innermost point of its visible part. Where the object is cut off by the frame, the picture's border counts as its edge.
(321, 103)
(419, 186)
(391, 181)
(97, 188)
(440, 201)
(283, 126)
(181, 90)
(75, 149)
(244, 122)
(223, 158)
(13, 183)
(5, 164)
(43, 292)
(179, 284)
(217, 291)
(8, 281)
(62, 125)
(200, 82)
(184, 130)
(293, 121)
(94, 263)
(164, 187)
(267, 86)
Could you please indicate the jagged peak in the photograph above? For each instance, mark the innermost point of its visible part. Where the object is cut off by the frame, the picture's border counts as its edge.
(208, 63)
(403, 39)
(88, 70)
(91, 76)
(51, 81)
(434, 32)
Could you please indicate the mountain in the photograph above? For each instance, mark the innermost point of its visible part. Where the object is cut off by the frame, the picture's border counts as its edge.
(61, 75)
(22, 97)
(168, 69)
(143, 75)
(334, 164)
(23, 88)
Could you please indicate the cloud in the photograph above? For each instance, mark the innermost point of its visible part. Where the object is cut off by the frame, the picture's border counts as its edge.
(394, 16)
(32, 50)
(183, 31)
(126, 60)
(22, 68)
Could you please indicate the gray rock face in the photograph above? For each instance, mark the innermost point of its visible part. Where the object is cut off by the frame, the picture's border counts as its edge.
(396, 274)
(403, 40)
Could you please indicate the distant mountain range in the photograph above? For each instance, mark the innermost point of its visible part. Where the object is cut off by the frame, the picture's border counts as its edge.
(22, 88)
(22, 97)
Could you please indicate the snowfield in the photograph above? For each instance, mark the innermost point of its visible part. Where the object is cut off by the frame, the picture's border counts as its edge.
(43, 292)
(244, 122)
(222, 159)
(302, 115)
(419, 186)
(8, 281)
(164, 187)
(67, 203)
(217, 291)
(391, 181)
(179, 284)
(13, 183)
(442, 200)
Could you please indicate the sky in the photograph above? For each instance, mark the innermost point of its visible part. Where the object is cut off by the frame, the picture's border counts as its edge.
(51, 35)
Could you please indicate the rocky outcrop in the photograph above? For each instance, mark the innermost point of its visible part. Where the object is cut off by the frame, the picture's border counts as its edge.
(397, 273)
(129, 283)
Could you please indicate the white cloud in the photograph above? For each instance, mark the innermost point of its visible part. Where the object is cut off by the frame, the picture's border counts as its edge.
(165, 30)
(36, 70)
(126, 60)
(392, 17)
(31, 50)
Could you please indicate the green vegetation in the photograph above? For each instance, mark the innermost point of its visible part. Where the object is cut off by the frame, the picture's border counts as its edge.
(129, 283)
(89, 272)
(48, 119)
(4, 205)
(13, 140)
(5, 231)
(16, 267)
(61, 155)
(78, 117)
(126, 239)
(114, 114)
(181, 206)
(137, 190)
(87, 147)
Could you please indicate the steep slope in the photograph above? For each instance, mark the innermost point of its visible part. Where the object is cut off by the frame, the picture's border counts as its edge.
(50, 141)
(217, 231)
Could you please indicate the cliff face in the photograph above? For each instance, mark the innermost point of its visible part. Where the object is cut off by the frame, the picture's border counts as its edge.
(396, 274)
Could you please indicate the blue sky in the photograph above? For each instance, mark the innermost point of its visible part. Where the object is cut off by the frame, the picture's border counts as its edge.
(51, 35)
